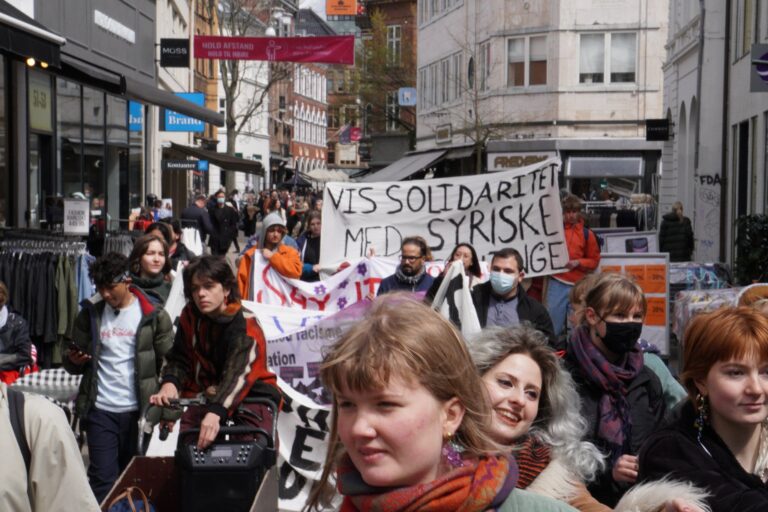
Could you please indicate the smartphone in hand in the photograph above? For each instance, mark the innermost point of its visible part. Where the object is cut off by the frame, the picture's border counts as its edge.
(75, 348)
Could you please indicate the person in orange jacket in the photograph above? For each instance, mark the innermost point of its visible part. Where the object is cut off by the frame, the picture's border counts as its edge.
(283, 258)
(583, 258)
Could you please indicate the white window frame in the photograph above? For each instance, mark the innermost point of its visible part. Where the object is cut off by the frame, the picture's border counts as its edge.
(607, 47)
(457, 75)
(394, 44)
(526, 60)
(393, 112)
(483, 66)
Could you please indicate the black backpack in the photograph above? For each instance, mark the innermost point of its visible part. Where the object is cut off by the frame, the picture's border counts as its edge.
(598, 239)
(16, 409)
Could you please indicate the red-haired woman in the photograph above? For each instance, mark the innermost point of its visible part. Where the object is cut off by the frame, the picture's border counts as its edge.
(720, 440)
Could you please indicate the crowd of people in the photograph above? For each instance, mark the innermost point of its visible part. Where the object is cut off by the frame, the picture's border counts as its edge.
(557, 403)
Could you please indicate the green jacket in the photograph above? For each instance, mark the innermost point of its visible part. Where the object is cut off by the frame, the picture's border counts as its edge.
(154, 339)
(525, 501)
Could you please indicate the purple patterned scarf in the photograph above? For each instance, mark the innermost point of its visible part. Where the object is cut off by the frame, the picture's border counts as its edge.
(615, 426)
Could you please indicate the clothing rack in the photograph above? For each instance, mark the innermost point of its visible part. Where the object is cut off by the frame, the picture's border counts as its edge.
(47, 276)
(621, 213)
(120, 241)
(43, 246)
(36, 234)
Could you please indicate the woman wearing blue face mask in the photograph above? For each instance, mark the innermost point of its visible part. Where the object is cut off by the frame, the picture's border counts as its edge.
(622, 399)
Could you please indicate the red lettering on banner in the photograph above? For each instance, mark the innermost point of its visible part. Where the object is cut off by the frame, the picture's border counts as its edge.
(298, 298)
(264, 276)
(372, 283)
(321, 303)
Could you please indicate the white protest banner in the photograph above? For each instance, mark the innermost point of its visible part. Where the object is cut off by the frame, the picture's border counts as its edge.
(302, 428)
(296, 357)
(454, 292)
(518, 208)
(279, 321)
(348, 286)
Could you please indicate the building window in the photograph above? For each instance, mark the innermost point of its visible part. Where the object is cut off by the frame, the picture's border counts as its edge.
(394, 44)
(537, 67)
(608, 55)
(445, 80)
(747, 26)
(393, 112)
(430, 9)
(516, 59)
(484, 66)
(457, 69)
(422, 97)
(623, 57)
(591, 58)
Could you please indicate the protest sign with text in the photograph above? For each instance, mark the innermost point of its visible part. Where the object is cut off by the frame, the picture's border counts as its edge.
(352, 284)
(518, 208)
(303, 429)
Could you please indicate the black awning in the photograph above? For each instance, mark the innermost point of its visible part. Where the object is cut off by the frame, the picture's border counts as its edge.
(298, 181)
(81, 71)
(223, 160)
(149, 94)
(404, 167)
(25, 37)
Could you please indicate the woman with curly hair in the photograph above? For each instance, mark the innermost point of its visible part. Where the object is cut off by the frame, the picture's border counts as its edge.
(536, 415)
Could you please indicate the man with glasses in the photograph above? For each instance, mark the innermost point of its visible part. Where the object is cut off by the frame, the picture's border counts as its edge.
(411, 275)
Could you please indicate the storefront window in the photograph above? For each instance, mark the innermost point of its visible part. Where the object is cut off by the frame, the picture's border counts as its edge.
(93, 149)
(136, 154)
(41, 179)
(69, 120)
(117, 161)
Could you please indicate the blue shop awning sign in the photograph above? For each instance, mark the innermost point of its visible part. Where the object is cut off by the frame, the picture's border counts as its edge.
(171, 121)
(135, 116)
(184, 165)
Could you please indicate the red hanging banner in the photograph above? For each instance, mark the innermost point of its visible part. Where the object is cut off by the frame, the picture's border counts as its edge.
(320, 49)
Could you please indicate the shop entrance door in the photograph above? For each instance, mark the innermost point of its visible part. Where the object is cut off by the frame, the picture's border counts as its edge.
(44, 209)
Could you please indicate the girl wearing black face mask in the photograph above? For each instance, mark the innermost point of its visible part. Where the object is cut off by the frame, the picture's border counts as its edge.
(622, 399)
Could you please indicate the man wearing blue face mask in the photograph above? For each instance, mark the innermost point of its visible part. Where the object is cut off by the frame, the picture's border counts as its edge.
(503, 302)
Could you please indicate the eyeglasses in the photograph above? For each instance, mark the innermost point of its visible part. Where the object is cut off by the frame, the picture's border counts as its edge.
(410, 258)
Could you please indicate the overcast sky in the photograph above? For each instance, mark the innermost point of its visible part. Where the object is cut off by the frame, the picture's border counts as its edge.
(317, 5)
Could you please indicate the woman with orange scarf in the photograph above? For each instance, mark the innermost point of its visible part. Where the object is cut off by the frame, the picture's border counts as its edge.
(411, 429)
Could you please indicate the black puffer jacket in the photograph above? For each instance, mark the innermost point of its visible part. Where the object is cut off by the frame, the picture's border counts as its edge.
(15, 345)
(676, 452)
(224, 220)
(676, 237)
(648, 412)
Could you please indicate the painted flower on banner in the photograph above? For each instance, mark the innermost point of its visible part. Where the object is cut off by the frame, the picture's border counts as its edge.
(362, 269)
(342, 302)
(343, 284)
(320, 290)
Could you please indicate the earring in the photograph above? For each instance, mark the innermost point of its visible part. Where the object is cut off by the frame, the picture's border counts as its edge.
(451, 452)
(702, 406)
